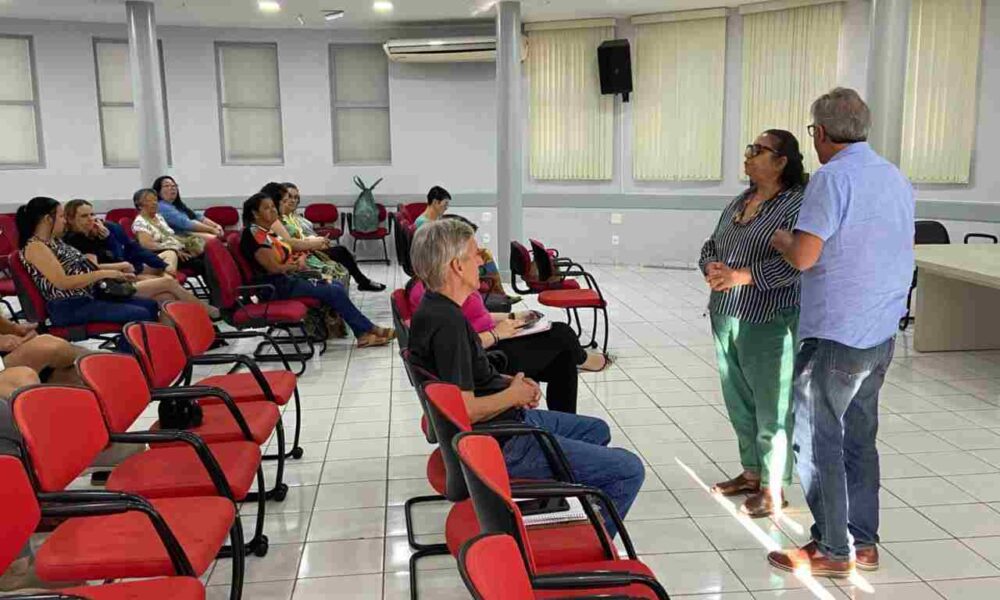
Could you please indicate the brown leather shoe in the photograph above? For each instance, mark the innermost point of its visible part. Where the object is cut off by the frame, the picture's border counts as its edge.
(867, 558)
(761, 504)
(737, 485)
(810, 558)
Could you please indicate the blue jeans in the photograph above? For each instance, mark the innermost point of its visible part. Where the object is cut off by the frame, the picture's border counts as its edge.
(584, 440)
(836, 420)
(332, 295)
(80, 310)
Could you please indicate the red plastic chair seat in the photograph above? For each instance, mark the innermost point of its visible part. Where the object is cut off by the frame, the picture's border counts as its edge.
(164, 588)
(127, 545)
(552, 544)
(564, 284)
(177, 471)
(218, 424)
(90, 330)
(242, 387)
(378, 234)
(276, 311)
(632, 591)
(7, 287)
(571, 299)
(436, 474)
(330, 232)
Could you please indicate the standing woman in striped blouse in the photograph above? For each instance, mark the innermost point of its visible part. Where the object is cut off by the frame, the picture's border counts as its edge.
(755, 313)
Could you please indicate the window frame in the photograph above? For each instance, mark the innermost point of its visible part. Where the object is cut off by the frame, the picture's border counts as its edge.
(251, 161)
(335, 106)
(35, 103)
(101, 104)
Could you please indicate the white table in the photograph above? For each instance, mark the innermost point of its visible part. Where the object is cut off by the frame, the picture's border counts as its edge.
(958, 297)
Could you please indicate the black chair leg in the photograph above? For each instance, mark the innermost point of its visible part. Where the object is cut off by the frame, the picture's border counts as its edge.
(440, 550)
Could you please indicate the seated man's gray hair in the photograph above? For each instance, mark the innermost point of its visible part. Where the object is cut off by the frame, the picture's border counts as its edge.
(843, 114)
(434, 246)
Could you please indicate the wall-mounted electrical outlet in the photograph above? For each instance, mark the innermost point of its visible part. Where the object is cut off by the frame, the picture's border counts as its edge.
(486, 238)
(616, 218)
(487, 217)
(614, 240)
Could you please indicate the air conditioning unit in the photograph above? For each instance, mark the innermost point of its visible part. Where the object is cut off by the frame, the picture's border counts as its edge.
(443, 50)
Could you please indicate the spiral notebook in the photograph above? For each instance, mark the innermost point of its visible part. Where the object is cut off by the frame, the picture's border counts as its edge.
(537, 327)
(574, 513)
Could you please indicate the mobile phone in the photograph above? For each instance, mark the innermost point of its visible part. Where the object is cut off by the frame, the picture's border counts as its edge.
(538, 506)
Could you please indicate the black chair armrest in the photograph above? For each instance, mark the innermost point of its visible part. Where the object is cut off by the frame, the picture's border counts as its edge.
(980, 236)
(237, 360)
(597, 579)
(550, 447)
(200, 391)
(205, 455)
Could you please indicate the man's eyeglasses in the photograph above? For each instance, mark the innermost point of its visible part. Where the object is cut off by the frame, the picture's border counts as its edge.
(811, 130)
(754, 150)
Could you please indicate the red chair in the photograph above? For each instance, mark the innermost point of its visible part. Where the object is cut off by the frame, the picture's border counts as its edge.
(520, 267)
(234, 299)
(571, 300)
(8, 246)
(21, 517)
(226, 216)
(227, 469)
(117, 214)
(162, 358)
(197, 335)
(126, 223)
(401, 315)
(324, 217)
(492, 569)
(384, 228)
(493, 496)
(124, 535)
(403, 238)
(35, 310)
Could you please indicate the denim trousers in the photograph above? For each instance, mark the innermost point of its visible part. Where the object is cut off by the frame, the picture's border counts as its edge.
(332, 295)
(616, 471)
(836, 391)
(79, 310)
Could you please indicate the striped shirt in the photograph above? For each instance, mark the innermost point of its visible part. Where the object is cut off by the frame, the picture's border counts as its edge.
(775, 282)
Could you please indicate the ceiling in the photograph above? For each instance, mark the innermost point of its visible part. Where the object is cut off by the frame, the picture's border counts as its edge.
(359, 13)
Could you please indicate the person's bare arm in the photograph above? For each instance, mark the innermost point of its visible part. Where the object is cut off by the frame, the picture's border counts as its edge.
(800, 249)
(521, 392)
(48, 265)
(297, 244)
(146, 241)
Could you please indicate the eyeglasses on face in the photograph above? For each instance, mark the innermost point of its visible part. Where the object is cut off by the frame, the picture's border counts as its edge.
(754, 150)
(811, 130)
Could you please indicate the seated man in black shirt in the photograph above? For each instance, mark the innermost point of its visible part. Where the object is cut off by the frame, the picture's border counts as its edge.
(446, 258)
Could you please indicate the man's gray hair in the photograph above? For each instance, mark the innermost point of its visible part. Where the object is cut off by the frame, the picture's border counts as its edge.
(434, 246)
(843, 114)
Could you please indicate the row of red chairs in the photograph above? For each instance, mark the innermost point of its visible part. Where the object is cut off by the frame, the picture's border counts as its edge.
(166, 512)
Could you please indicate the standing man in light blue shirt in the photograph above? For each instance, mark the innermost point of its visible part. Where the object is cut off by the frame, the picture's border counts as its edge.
(853, 243)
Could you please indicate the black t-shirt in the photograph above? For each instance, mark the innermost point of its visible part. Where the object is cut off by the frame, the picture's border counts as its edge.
(253, 239)
(443, 342)
(88, 245)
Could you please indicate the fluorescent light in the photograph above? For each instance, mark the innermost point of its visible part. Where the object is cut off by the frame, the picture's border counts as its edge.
(436, 42)
(333, 15)
(268, 6)
(382, 6)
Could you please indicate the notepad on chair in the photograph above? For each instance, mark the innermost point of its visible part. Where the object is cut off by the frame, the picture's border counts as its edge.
(573, 513)
(537, 327)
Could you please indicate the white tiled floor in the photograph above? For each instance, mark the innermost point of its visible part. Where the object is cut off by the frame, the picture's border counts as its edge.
(340, 534)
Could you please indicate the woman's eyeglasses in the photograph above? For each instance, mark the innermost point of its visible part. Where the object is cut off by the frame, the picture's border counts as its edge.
(754, 150)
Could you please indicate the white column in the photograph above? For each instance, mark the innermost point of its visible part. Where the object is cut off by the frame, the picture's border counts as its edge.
(147, 92)
(508, 82)
(887, 75)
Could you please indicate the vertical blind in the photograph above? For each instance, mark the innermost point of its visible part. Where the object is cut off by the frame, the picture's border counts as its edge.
(359, 78)
(678, 104)
(789, 59)
(119, 123)
(250, 106)
(939, 106)
(571, 123)
(21, 145)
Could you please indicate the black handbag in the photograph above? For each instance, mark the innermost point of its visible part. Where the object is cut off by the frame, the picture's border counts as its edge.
(114, 290)
(174, 413)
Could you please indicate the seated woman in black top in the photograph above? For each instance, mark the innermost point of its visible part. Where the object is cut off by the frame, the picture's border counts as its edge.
(274, 263)
(446, 258)
(94, 239)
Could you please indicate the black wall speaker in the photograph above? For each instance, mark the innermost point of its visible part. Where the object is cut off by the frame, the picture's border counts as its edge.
(615, 61)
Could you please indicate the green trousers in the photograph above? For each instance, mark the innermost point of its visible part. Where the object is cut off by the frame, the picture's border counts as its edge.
(756, 361)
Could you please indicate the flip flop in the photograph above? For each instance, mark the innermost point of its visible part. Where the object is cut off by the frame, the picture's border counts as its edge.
(607, 363)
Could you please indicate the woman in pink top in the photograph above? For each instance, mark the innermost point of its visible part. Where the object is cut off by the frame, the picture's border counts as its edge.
(552, 356)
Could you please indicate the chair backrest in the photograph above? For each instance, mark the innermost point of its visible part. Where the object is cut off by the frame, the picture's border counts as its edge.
(117, 214)
(120, 386)
(322, 213)
(930, 232)
(411, 210)
(448, 416)
(193, 325)
(28, 294)
(8, 228)
(543, 260)
(225, 216)
(63, 432)
(242, 263)
(489, 486)
(222, 275)
(492, 568)
(401, 315)
(403, 236)
(126, 224)
(21, 512)
(159, 351)
(520, 260)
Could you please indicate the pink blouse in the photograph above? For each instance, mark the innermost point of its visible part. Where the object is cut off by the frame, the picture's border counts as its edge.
(474, 308)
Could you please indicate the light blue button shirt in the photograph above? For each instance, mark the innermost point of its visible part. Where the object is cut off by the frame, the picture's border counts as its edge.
(862, 207)
(177, 220)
